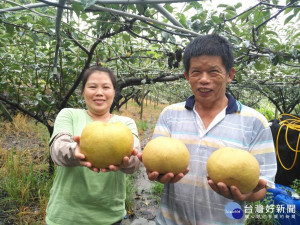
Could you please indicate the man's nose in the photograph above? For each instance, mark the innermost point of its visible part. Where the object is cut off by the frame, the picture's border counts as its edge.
(204, 78)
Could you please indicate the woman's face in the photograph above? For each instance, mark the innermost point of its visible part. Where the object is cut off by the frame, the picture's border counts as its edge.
(99, 93)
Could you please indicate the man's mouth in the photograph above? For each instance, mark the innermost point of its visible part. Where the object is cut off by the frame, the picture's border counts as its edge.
(204, 90)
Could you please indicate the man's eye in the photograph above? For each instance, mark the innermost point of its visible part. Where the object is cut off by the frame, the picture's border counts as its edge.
(195, 73)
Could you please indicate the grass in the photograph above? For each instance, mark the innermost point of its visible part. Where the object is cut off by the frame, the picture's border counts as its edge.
(266, 217)
(157, 190)
(130, 190)
(296, 186)
(24, 179)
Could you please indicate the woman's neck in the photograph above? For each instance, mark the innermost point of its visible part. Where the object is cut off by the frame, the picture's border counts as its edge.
(103, 117)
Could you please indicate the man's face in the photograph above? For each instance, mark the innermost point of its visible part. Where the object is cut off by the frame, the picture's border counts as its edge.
(208, 78)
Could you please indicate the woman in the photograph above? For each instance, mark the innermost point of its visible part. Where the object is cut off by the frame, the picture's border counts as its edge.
(81, 194)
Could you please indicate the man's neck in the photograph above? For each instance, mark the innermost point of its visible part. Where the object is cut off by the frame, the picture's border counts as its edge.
(208, 112)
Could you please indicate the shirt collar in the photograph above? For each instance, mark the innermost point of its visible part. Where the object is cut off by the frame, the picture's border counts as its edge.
(233, 104)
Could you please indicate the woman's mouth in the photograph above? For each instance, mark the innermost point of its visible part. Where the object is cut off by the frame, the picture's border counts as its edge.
(99, 101)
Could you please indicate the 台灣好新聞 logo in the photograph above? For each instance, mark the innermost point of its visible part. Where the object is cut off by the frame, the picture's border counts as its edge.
(233, 211)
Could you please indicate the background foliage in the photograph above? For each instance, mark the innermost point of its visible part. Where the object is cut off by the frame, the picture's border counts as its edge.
(45, 46)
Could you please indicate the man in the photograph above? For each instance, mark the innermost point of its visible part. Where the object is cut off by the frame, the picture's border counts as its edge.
(208, 120)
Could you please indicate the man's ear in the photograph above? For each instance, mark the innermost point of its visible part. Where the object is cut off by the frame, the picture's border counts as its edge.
(231, 75)
(186, 76)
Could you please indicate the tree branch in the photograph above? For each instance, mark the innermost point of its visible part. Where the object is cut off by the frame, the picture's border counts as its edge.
(69, 34)
(272, 17)
(87, 63)
(136, 81)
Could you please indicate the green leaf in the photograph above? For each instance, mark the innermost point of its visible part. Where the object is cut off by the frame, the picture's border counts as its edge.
(286, 11)
(288, 19)
(230, 14)
(84, 16)
(77, 7)
(274, 41)
(236, 30)
(203, 15)
(296, 36)
(9, 29)
(294, 53)
(259, 66)
(35, 38)
(216, 19)
(169, 8)
(238, 5)
(244, 16)
(196, 26)
(222, 6)
(88, 3)
(269, 32)
(274, 59)
(182, 19)
(238, 77)
(126, 37)
(140, 8)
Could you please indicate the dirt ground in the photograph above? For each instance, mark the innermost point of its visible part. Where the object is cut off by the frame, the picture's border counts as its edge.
(145, 204)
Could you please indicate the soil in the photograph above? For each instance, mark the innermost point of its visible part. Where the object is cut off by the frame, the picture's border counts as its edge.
(145, 203)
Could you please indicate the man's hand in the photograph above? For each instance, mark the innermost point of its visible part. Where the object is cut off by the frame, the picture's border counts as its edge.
(234, 193)
(163, 178)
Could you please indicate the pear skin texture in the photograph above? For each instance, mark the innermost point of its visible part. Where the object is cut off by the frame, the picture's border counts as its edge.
(166, 154)
(105, 144)
(234, 167)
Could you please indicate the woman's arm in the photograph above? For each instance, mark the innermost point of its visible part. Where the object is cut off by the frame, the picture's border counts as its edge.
(62, 150)
(134, 162)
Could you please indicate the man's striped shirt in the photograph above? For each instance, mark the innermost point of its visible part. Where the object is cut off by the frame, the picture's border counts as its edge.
(191, 200)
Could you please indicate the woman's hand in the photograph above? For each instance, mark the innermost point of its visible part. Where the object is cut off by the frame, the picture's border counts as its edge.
(81, 157)
(234, 193)
(82, 160)
(125, 163)
(163, 178)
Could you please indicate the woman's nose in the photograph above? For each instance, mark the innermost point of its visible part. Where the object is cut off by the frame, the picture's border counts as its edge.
(99, 92)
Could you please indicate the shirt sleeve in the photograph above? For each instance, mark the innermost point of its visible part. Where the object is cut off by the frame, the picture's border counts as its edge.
(262, 147)
(162, 127)
(63, 123)
(134, 162)
(62, 150)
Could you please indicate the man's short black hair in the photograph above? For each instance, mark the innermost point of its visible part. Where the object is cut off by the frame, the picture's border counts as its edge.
(211, 44)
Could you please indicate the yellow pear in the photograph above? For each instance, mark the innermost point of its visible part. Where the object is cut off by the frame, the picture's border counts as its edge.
(166, 154)
(234, 167)
(106, 144)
